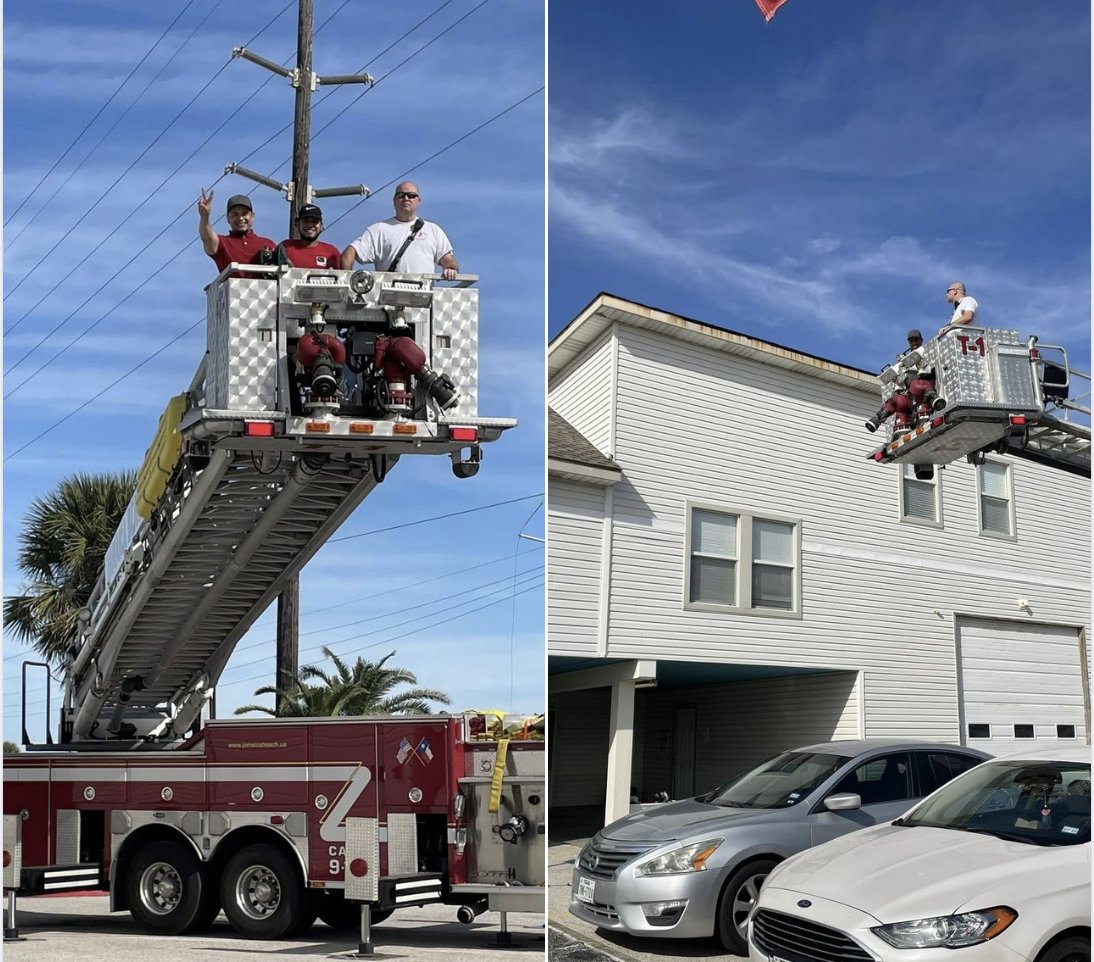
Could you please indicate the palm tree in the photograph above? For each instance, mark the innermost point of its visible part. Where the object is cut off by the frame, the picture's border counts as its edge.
(61, 549)
(363, 689)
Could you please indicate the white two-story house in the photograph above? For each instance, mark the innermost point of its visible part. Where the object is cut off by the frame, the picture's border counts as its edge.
(729, 576)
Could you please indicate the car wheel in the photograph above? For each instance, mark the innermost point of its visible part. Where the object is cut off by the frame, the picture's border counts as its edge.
(167, 889)
(262, 892)
(738, 897)
(1073, 949)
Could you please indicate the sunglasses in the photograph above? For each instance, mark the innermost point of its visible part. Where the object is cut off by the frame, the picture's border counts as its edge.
(405, 195)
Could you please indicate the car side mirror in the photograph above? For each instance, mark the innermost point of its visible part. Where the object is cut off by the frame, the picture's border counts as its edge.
(844, 802)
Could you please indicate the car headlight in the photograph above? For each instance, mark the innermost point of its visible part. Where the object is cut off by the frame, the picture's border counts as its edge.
(687, 858)
(948, 931)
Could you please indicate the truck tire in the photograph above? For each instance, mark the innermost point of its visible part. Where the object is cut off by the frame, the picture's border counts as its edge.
(167, 890)
(262, 892)
(341, 914)
(738, 897)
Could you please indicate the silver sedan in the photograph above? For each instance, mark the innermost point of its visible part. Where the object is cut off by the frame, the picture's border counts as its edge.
(693, 868)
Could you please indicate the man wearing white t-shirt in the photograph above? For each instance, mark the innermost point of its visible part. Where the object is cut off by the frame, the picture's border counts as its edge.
(965, 308)
(405, 242)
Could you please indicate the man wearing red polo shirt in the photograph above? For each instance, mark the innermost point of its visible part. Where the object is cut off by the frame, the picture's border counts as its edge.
(241, 244)
(309, 250)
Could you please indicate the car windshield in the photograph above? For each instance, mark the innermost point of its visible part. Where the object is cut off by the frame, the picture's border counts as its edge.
(1042, 803)
(779, 782)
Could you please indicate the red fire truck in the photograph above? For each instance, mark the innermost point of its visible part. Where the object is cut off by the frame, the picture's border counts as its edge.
(314, 385)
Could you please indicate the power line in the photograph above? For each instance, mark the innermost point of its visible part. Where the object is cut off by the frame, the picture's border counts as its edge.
(87, 126)
(395, 180)
(95, 397)
(454, 514)
(38, 263)
(124, 267)
(528, 584)
(370, 597)
(150, 195)
(394, 638)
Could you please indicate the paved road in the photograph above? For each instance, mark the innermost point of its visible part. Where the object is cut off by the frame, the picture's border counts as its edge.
(81, 929)
(571, 935)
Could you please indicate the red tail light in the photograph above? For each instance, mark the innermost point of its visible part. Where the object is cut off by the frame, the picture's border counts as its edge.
(938, 422)
(878, 455)
(1017, 419)
(463, 434)
(259, 429)
(358, 868)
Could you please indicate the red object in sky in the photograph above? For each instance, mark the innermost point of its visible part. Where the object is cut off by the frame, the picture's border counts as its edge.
(768, 7)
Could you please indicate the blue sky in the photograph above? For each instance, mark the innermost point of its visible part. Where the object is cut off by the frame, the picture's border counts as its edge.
(474, 587)
(819, 180)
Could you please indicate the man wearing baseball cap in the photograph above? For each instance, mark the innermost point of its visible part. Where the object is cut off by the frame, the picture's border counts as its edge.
(309, 250)
(241, 244)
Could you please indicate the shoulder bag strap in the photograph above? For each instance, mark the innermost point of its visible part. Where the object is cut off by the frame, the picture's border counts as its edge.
(418, 225)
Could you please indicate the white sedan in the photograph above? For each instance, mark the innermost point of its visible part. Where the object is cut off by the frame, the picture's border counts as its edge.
(992, 867)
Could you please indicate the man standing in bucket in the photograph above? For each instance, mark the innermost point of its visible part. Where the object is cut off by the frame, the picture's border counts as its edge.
(405, 242)
(309, 250)
(241, 244)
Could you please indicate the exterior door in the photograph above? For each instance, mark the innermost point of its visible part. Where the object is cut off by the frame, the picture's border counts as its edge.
(683, 752)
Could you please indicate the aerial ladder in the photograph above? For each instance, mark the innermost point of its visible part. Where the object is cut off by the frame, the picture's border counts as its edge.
(313, 385)
(974, 390)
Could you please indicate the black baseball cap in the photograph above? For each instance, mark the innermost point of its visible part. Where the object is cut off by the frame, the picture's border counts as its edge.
(309, 210)
(239, 200)
(914, 333)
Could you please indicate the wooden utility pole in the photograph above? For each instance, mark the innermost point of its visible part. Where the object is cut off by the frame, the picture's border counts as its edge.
(288, 602)
(298, 193)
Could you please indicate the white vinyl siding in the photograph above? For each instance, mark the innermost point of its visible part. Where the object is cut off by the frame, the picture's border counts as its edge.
(579, 761)
(740, 724)
(575, 524)
(741, 562)
(870, 598)
(996, 501)
(586, 400)
(920, 501)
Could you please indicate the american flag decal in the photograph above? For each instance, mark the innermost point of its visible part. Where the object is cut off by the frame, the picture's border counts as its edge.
(404, 752)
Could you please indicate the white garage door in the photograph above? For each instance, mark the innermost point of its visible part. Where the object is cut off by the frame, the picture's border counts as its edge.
(1020, 683)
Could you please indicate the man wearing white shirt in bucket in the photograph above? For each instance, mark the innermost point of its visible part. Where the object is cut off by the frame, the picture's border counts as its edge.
(965, 308)
(405, 242)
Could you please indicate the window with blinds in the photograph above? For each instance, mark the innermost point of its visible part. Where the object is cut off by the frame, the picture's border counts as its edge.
(920, 501)
(740, 561)
(996, 503)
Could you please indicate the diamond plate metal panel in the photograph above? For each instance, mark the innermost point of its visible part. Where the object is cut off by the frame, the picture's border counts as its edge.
(402, 843)
(242, 343)
(1015, 378)
(964, 376)
(68, 836)
(455, 343)
(13, 844)
(517, 762)
(363, 841)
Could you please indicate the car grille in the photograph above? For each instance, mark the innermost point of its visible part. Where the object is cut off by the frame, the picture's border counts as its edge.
(602, 857)
(797, 940)
(601, 910)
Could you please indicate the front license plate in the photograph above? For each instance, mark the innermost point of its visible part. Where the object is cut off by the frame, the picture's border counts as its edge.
(585, 889)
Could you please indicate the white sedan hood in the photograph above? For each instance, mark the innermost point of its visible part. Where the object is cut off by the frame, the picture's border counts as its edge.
(894, 873)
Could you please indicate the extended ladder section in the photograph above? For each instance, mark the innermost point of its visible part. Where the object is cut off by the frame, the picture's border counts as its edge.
(974, 390)
(314, 384)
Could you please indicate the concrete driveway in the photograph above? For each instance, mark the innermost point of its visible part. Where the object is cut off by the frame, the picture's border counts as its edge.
(80, 928)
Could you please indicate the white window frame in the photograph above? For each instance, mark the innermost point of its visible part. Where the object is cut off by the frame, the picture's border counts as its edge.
(743, 570)
(936, 484)
(1011, 535)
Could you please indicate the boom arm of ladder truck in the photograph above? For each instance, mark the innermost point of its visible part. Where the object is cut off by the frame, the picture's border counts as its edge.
(270, 427)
